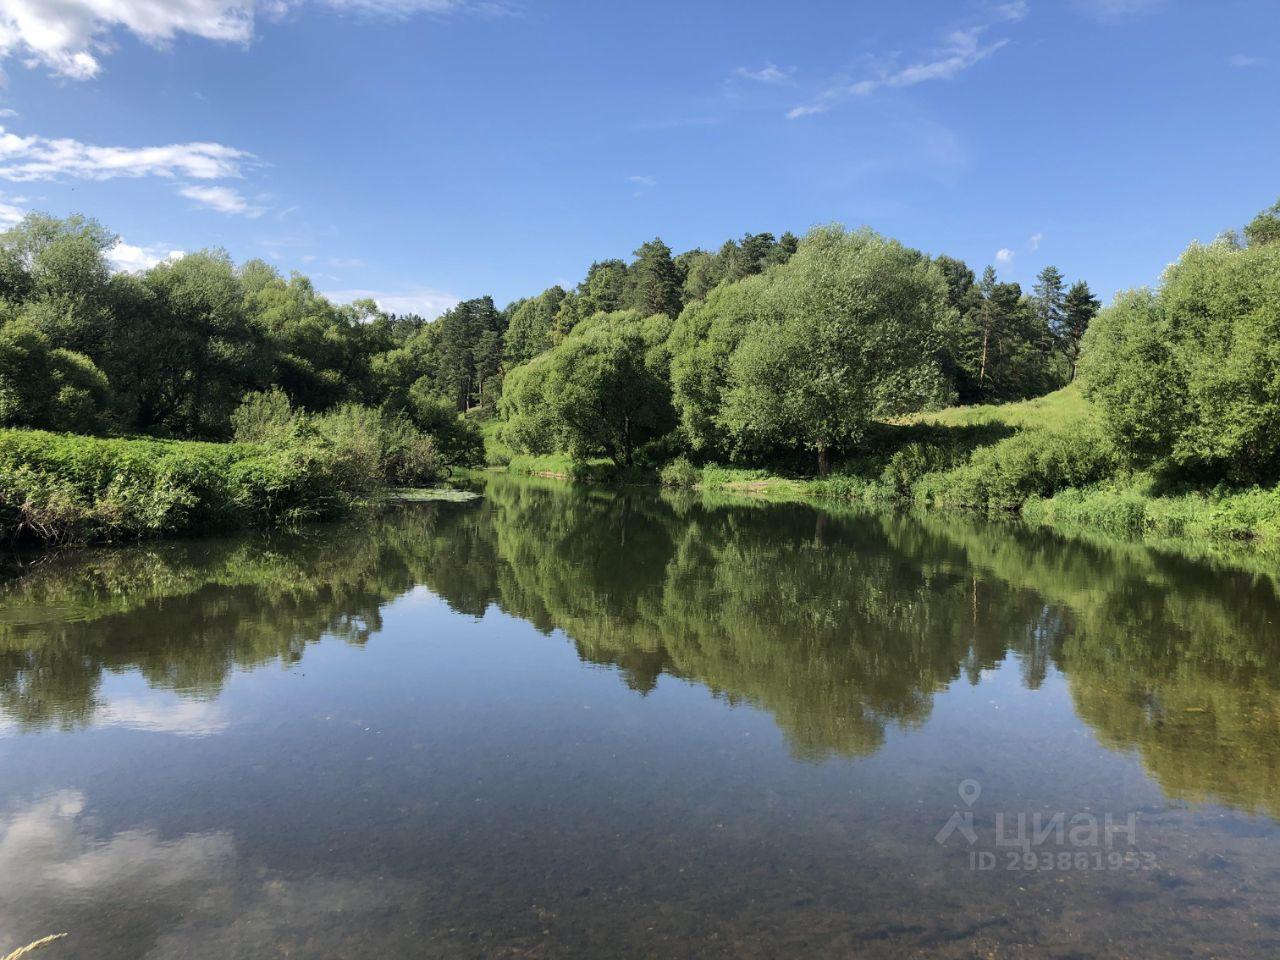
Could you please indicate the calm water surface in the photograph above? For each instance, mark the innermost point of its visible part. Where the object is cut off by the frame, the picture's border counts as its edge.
(551, 723)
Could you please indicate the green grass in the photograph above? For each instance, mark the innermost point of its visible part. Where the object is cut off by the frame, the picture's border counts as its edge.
(1061, 409)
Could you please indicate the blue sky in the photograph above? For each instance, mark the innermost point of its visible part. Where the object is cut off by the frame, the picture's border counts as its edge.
(424, 150)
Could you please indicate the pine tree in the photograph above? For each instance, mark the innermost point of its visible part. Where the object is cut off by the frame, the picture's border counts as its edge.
(655, 280)
(1050, 294)
(1079, 308)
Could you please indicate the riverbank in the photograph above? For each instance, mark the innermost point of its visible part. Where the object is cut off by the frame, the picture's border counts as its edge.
(1045, 460)
(66, 487)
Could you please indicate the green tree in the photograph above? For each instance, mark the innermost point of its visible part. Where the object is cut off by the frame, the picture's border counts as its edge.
(654, 280)
(601, 390)
(531, 324)
(1187, 374)
(847, 333)
(1265, 227)
(702, 340)
(219, 350)
(49, 387)
(1079, 308)
(1050, 295)
(468, 340)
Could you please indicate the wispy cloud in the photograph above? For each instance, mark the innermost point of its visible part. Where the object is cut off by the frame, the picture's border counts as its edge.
(345, 263)
(423, 301)
(127, 258)
(1033, 244)
(69, 37)
(1244, 60)
(962, 49)
(643, 181)
(10, 211)
(1117, 9)
(221, 199)
(1004, 256)
(173, 715)
(407, 8)
(42, 158)
(769, 73)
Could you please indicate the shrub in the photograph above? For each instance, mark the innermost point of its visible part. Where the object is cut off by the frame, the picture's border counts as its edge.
(64, 487)
(680, 473)
(457, 439)
(373, 448)
(1029, 464)
(265, 416)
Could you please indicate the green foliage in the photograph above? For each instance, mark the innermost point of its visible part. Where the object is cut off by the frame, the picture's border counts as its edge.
(47, 387)
(1079, 308)
(600, 391)
(680, 473)
(468, 343)
(58, 487)
(531, 323)
(702, 340)
(458, 438)
(265, 416)
(1030, 464)
(845, 331)
(373, 449)
(1187, 375)
(1265, 227)
(654, 280)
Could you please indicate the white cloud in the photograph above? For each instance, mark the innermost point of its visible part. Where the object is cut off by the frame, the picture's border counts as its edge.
(644, 181)
(423, 301)
(126, 258)
(344, 263)
(807, 110)
(406, 8)
(68, 37)
(42, 158)
(1245, 60)
(10, 212)
(1004, 256)
(222, 199)
(1117, 9)
(182, 717)
(769, 73)
(49, 852)
(1033, 244)
(962, 49)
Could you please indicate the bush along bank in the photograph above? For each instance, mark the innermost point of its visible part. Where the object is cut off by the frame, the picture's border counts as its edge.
(285, 468)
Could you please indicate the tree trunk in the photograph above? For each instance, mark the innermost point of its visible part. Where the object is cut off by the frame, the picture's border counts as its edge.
(982, 369)
(824, 460)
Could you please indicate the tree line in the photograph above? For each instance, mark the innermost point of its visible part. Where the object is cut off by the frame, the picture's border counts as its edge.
(764, 345)
(768, 347)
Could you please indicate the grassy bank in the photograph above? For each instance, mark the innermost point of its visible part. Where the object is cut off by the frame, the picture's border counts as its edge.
(1046, 460)
(65, 487)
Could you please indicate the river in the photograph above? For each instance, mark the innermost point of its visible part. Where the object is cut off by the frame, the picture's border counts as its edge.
(557, 722)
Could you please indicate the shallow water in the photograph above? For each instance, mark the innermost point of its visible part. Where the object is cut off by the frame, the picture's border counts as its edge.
(552, 723)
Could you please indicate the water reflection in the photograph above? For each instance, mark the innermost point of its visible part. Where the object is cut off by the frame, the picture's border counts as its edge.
(840, 626)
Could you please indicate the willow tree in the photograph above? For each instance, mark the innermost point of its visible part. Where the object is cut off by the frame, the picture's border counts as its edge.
(601, 391)
(846, 332)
